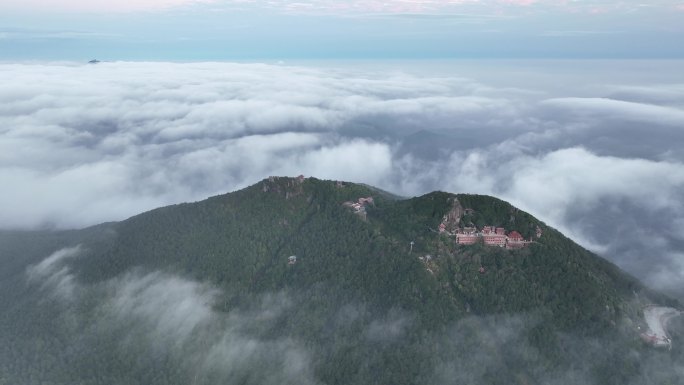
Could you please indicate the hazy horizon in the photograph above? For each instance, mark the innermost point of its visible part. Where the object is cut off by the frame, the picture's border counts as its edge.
(229, 30)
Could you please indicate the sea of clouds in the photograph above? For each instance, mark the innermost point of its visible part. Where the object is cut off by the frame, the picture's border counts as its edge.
(595, 149)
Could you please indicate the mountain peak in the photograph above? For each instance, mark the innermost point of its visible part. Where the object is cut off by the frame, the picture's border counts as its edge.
(364, 276)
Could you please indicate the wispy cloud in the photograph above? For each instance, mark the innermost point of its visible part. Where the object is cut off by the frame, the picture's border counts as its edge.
(28, 34)
(54, 275)
(575, 33)
(98, 6)
(160, 315)
(341, 7)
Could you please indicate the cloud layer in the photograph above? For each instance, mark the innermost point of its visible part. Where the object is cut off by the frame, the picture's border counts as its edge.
(603, 162)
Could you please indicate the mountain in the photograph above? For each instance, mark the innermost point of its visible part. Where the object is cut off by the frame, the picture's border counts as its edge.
(300, 280)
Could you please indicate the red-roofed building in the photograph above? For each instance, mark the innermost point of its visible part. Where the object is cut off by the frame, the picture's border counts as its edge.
(515, 240)
(515, 236)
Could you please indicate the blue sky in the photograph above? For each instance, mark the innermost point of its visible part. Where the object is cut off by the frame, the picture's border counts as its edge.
(185, 30)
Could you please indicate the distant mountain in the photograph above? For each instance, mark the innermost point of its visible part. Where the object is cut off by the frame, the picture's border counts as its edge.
(300, 280)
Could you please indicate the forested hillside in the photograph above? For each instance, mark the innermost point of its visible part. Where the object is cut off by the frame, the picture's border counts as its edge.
(206, 292)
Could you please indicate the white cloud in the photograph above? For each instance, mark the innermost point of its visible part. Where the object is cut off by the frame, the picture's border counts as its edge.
(172, 307)
(175, 317)
(560, 179)
(53, 275)
(149, 134)
(603, 108)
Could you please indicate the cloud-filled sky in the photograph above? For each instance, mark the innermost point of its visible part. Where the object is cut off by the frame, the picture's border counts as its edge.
(197, 30)
(593, 148)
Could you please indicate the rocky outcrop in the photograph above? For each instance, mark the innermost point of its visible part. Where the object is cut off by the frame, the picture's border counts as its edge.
(290, 187)
(452, 219)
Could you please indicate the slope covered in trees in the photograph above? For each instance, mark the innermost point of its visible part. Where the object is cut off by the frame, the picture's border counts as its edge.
(377, 295)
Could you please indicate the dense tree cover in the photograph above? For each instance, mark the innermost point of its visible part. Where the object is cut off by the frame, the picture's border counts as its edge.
(359, 302)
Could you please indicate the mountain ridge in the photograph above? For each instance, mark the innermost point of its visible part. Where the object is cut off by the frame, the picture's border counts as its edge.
(362, 292)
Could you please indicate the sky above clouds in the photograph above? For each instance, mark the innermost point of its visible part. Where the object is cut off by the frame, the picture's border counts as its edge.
(197, 30)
